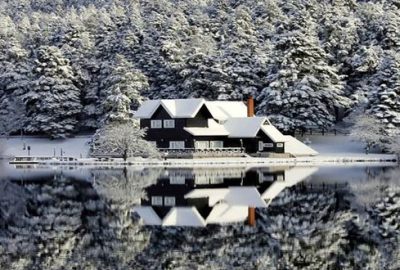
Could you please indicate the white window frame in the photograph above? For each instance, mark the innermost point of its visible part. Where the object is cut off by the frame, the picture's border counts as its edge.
(279, 145)
(169, 123)
(155, 124)
(177, 145)
(260, 146)
(157, 200)
(169, 201)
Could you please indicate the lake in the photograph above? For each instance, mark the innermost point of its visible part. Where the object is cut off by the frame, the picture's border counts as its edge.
(331, 217)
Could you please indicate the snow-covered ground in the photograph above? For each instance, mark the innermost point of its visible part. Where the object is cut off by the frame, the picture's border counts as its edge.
(76, 147)
(340, 145)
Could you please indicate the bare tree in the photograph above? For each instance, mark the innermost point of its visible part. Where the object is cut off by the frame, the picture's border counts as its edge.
(125, 140)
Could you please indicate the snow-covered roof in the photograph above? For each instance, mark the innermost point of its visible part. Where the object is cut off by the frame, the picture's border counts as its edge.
(238, 196)
(147, 108)
(273, 133)
(213, 129)
(188, 108)
(244, 127)
(176, 108)
(148, 215)
(292, 177)
(298, 148)
(222, 110)
(224, 213)
(184, 216)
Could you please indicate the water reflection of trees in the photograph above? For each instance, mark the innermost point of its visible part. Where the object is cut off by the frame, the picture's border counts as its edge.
(69, 224)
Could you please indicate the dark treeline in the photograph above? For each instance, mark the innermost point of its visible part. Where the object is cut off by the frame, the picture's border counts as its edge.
(68, 66)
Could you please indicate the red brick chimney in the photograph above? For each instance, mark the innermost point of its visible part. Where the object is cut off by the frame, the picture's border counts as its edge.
(251, 219)
(250, 106)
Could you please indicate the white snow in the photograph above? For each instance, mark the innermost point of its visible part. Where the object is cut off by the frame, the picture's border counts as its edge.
(184, 216)
(223, 213)
(292, 177)
(148, 215)
(147, 108)
(339, 145)
(298, 148)
(273, 133)
(76, 147)
(222, 110)
(244, 127)
(238, 196)
(188, 108)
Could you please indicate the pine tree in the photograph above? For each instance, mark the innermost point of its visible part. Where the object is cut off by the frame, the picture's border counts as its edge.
(14, 81)
(53, 104)
(303, 89)
(122, 90)
(384, 87)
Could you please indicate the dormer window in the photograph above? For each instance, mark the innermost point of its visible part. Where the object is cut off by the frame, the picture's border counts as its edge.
(169, 123)
(156, 124)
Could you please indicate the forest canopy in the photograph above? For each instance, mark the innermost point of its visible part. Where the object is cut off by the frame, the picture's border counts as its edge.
(68, 66)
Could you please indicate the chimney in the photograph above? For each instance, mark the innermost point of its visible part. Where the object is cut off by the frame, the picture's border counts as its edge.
(251, 219)
(250, 106)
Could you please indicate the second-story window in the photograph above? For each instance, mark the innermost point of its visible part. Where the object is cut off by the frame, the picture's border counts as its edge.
(156, 124)
(169, 123)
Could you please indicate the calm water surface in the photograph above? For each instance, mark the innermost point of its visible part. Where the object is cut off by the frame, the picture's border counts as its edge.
(342, 217)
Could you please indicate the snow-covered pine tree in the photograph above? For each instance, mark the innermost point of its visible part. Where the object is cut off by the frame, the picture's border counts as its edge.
(244, 58)
(122, 90)
(384, 87)
(14, 80)
(53, 103)
(303, 89)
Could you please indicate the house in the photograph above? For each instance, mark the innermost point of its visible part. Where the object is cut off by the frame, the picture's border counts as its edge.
(203, 125)
(181, 197)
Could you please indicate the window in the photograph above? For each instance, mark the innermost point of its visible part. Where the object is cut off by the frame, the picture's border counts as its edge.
(269, 145)
(155, 124)
(169, 201)
(279, 145)
(177, 180)
(156, 200)
(169, 123)
(176, 145)
(216, 144)
(201, 144)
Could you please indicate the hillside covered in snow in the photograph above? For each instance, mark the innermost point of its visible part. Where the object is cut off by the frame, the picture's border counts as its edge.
(66, 66)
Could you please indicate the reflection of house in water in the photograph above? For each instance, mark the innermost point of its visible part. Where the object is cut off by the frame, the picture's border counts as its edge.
(201, 196)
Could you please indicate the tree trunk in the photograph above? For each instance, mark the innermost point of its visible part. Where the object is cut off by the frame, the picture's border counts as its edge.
(125, 154)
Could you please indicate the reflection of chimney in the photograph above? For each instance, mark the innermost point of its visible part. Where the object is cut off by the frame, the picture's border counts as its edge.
(251, 219)
(250, 106)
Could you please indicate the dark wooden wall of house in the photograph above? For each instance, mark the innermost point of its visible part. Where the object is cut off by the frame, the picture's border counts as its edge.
(201, 119)
(164, 135)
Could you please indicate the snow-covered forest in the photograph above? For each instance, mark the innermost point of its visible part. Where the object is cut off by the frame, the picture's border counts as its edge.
(66, 66)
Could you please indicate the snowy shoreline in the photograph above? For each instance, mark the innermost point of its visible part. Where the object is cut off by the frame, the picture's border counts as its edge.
(247, 161)
(334, 150)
